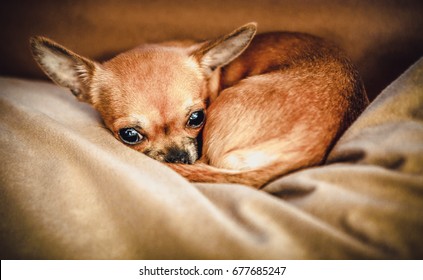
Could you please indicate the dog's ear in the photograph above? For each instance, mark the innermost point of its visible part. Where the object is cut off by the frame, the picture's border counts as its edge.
(219, 52)
(64, 67)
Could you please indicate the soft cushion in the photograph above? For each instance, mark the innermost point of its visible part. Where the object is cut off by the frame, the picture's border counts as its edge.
(70, 190)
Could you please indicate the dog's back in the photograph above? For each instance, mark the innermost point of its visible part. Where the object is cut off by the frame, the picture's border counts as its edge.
(283, 103)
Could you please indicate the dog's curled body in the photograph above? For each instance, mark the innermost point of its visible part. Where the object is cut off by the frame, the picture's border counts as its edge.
(273, 103)
(282, 104)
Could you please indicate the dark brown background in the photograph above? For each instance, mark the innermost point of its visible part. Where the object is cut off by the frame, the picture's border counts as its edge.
(382, 37)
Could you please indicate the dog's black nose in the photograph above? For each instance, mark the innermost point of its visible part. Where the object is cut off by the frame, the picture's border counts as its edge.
(176, 155)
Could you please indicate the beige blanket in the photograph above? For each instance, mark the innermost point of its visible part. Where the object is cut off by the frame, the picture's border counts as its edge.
(69, 190)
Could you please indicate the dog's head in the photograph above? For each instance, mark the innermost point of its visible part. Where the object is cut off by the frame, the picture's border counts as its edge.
(152, 98)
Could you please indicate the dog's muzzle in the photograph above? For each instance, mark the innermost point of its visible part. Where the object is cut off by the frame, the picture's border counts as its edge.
(176, 155)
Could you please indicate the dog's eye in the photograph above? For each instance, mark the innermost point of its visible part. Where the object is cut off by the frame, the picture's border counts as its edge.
(130, 135)
(196, 119)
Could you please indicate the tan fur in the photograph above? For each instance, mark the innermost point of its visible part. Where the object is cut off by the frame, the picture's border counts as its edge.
(277, 102)
(284, 103)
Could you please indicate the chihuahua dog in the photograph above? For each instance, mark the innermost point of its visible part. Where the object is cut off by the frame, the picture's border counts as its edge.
(275, 102)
